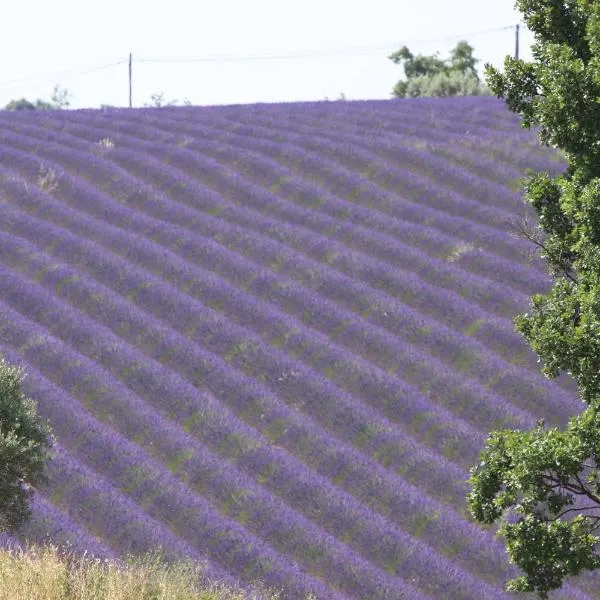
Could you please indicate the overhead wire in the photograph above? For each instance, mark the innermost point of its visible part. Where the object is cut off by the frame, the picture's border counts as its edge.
(472, 34)
(311, 53)
(70, 74)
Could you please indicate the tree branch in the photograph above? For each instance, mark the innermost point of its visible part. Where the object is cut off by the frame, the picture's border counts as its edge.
(580, 490)
(577, 510)
(596, 523)
(587, 492)
(522, 227)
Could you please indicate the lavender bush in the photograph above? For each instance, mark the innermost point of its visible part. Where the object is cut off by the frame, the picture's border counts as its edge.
(272, 338)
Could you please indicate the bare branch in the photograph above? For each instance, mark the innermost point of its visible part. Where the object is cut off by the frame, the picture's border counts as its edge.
(596, 523)
(587, 491)
(523, 228)
(580, 489)
(577, 510)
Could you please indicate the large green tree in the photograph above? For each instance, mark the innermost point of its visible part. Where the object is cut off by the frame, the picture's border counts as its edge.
(543, 485)
(25, 442)
(433, 76)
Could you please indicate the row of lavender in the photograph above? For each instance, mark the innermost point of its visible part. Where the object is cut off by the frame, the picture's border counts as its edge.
(208, 287)
(375, 272)
(137, 370)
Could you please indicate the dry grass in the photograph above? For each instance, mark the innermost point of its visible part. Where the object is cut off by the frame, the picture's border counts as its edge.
(42, 573)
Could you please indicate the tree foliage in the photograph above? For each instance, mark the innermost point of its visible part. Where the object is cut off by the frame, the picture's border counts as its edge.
(544, 485)
(439, 85)
(433, 76)
(25, 442)
(60, 99)
(24, 104)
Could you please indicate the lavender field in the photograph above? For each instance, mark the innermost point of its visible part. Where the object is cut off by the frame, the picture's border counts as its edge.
(273, 338)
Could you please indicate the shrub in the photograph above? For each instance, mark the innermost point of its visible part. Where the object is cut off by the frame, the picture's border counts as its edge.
(25, 442)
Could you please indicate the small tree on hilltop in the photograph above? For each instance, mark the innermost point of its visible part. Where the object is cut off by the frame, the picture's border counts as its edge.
(24, 104)
(61, 97)
(543, 485)
(24, 449)
(158, 101)
(21, 104)
(432, 76)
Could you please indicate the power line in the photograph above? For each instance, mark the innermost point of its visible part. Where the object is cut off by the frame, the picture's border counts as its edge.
(290, 55)
(472, 34)
(70, 73)
(312, 53)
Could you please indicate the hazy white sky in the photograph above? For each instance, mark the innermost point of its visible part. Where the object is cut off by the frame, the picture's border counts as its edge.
(341, 46)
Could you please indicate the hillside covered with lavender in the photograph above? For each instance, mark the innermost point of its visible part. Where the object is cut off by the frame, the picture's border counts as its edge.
(273, 338)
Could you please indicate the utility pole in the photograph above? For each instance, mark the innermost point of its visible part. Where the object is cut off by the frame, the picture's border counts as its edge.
(517, 42)
(130, 105)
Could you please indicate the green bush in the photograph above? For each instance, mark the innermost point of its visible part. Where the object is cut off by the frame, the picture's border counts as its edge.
(440, 84)
(25, 442)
